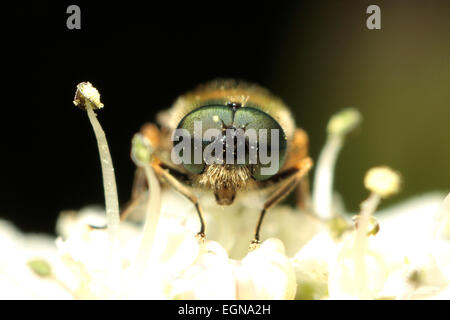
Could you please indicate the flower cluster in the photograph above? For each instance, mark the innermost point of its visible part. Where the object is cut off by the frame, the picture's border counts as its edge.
(302, 258)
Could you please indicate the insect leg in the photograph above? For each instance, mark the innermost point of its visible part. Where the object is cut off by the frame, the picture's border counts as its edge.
(172, 177)
(286, 186)
(302, 194)
(299, 150)
(138, 193)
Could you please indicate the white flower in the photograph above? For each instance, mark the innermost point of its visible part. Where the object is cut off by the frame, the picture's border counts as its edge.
(180, 267)
(266, 273)
(17, 280)
(402, 258)
(312, 265)
(412, 264)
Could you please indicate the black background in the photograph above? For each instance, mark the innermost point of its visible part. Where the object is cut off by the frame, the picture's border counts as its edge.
(141, 57)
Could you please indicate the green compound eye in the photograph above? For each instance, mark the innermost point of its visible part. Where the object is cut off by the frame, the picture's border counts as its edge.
(214, 116)
(194, 168)
(271, 140)
(196, 123)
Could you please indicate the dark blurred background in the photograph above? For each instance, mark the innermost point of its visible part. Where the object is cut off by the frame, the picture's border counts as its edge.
(317, 55)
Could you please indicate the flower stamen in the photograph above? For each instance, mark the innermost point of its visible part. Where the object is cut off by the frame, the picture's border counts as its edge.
(87, 97)
(141, 153)
(383, 182)
(339, 126)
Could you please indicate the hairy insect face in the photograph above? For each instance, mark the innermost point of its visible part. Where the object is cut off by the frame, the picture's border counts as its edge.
(228, 137)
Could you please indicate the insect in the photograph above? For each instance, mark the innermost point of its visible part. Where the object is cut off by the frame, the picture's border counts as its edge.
(229, 106)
